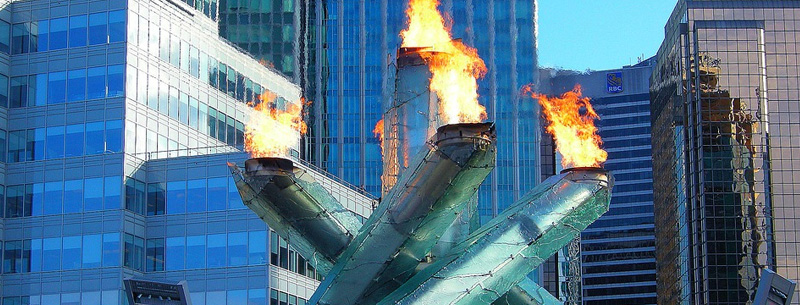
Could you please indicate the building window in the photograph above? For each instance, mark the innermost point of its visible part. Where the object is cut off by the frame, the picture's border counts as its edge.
(155, 255)
(134, 252)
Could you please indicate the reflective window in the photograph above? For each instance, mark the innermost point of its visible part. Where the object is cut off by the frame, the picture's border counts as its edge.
(96, 82)
(98, 28)
(196, 196)
(176, 251)
(55, 142)
(94, 138)
(38, 87)
(217, 192)
(19, 92)
(53, 198)
(4, 90)
(116, 26)
(237, 249)
(35, 146)
(74, 138)
(234, 199)
(56, 87)
(93, 196)
(156, 199)
(76, 85)
(43, 37)
(135, 196)
(73, 196)
(20, 38)
(5, 36)
(116, 81)
(257, 248)
(51, 254)
(77, 31)
(71, 255)
(155, 255)
(196, 245)
(216, 250)
(134, 252)
(111, 250)
(36, 193)
(58, 33)
(36, 255)
(113, 192)
(176, 197)
(114, 136)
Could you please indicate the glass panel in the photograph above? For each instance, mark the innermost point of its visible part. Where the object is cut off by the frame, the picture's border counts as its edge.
(58, 33)
(155, 199)
(194, 61)
(193, 105)
(51, 254)
(257, 249)
(19, 92)
(71, 257)
(196, 248)
(55, 142)
(184, 56)
(39, 89)
(77, 31)
(114, 136)
(36, 193)
(174, 51)
(73, 196)
(215, 297)
(90, 297)
(56, 87)
(71, 298)
(163, 98)
(116, 81)
(76, 85)
(196, 196)
(36, 255)
(155, 254)
(113, 192)
(44, 33)
(96, 82)
(35, 145)
(163, 46)
(176, 197)
(74, 138)
(257, 296)
(173, 103)
(183, 111)
(20, 38)
(234, 199)
(5, 36)
(237, 249)
(111, 250)
(98, 28)
(93, 194)
(94, 138)
(217, 192)
(176, 252)
(116, 26)
(92, 250)
(216, 250)
(53, 198)
(237, 297)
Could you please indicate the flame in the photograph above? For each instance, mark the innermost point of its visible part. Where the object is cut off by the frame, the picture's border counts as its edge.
(455, 67)
(271, 132)
(571, 122)
(378, 132)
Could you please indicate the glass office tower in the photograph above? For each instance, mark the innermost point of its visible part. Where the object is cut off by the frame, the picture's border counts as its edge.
(725, 133)
(118, 118)
(617, 253)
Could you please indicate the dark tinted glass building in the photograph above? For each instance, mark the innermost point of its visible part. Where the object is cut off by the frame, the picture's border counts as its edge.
(725, 133)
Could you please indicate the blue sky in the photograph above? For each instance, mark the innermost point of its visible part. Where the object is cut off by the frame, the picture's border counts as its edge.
(600, 34)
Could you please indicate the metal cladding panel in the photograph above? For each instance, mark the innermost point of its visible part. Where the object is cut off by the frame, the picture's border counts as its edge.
(412, 117)
(412, 217)
(300, 210)
(501, 253)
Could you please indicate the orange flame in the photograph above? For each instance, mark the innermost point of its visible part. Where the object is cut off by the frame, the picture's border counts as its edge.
(378, 131)
(455, 67)
(571, 122)
(271, 132)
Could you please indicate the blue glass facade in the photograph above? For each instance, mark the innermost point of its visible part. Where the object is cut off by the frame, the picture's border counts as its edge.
(118, 118)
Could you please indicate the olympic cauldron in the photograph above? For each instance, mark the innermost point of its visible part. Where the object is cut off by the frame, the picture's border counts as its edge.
(399, 255)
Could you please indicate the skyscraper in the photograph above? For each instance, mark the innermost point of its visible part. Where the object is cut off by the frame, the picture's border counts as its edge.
(118, 120)
(724, 99)
(617, 254)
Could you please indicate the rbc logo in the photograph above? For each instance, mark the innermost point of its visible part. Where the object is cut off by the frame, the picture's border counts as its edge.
(614, 82)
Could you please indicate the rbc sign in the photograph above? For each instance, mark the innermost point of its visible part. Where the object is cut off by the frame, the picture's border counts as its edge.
(614, 82)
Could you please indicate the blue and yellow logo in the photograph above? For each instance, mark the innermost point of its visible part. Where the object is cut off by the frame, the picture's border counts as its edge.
(614, 82)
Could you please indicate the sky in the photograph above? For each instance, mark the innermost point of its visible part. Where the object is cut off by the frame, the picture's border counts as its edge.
(600, 34)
